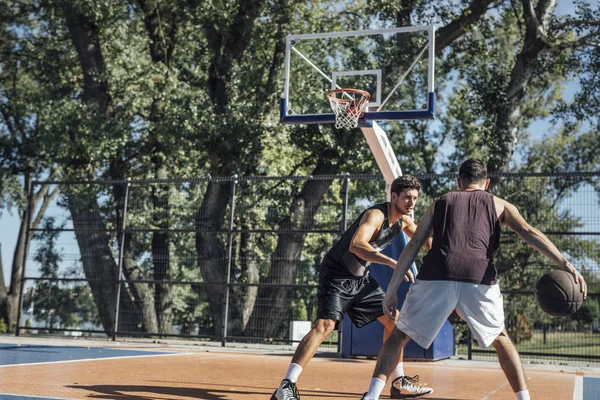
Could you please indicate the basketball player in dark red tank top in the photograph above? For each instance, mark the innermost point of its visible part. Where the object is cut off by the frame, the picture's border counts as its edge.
(458, 273)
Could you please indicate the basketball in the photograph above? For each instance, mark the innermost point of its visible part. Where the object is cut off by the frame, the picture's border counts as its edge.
(557, 294)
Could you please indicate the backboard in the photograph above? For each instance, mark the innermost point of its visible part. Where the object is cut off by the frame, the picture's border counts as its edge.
(395, 65)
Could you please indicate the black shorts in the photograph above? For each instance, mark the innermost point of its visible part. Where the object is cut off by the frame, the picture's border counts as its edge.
(360, 298)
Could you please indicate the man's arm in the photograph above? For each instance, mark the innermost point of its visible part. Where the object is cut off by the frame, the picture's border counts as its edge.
(369, 224)
(409, 227)
(422, 234)
(512, 218)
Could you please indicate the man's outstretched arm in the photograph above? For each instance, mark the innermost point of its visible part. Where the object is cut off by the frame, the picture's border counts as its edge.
(536, 239)
(410, 227)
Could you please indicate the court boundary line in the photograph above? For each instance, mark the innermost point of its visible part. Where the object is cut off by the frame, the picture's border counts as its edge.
(27, 396)
(496, 390)
(578, 388)
(94, 359)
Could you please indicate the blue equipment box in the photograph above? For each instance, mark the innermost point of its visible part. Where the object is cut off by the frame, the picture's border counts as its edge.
(366, 341)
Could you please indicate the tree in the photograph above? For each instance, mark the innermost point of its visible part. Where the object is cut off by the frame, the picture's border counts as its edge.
(154, 90)
(26, 94)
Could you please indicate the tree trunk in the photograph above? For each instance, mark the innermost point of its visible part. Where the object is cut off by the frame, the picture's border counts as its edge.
(251, 270)
(3, 291)
(274, 306)
(96, 256)
(160, 251)
(12, 300)
(210, 248)
(243, 298)
(161, 27)
(504, 138)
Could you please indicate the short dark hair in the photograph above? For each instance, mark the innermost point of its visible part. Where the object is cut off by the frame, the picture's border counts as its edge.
(405, 182)
(472, 170)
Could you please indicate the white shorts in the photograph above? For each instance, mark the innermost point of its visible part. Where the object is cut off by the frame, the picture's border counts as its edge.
(429, 303)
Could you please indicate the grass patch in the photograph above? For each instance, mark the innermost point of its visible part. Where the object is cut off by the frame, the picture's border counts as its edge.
(556, 342)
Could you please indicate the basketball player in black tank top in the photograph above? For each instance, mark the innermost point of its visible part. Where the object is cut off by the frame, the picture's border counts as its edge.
(458, 273)
(345, 286)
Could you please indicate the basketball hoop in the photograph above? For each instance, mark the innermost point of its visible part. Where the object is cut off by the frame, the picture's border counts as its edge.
(348, 106)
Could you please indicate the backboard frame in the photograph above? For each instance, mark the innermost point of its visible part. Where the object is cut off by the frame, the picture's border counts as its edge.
(287, 116)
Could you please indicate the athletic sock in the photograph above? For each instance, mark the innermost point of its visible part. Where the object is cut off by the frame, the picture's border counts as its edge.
(523, 395)
(398, 372)
(375, 389)
(293, 372)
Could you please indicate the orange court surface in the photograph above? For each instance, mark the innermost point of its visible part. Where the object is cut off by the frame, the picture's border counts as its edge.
(77, 369)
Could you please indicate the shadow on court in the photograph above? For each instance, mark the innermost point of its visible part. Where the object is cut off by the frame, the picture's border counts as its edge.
(137, 392)
(141, 392)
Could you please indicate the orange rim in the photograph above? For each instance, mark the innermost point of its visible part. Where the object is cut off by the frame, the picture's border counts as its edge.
(331, 95)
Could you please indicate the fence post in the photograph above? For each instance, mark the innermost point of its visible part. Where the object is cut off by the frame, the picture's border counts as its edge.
(469, 345)
(25, 251)
(121, 255)
(229, 259)
(343, 228)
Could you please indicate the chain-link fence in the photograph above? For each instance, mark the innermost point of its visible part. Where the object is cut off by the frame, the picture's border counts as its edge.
(234, 260)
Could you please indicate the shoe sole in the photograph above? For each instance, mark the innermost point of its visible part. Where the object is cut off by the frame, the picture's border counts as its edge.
(405, 396)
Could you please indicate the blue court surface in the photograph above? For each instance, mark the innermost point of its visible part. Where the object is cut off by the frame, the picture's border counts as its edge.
(14, 354)
(591, 388)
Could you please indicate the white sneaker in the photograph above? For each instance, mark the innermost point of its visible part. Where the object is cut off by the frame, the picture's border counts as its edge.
(406, 387)
(286, 391)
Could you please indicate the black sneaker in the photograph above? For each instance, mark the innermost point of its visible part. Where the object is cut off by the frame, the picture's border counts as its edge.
(406, 387)
(286, 391)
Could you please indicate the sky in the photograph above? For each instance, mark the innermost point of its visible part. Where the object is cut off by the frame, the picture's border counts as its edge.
(9, 220)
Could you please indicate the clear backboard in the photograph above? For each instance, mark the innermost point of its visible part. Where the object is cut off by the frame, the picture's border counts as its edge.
(396, 67)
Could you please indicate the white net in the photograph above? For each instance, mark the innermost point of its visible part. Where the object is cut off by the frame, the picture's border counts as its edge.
(348, 106)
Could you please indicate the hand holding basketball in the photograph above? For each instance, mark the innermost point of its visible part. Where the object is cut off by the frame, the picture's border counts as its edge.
(578, 278)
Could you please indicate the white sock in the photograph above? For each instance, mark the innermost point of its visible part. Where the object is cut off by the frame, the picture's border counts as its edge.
(375, 389)
(523, 395)
(399, 371)
(293, 372)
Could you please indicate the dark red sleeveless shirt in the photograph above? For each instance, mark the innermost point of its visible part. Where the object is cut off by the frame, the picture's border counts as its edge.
(466, 237)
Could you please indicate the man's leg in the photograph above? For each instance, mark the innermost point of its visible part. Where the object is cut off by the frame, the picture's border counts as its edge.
(511, 365)
(390, 353)
(389, 327)
(310, 343)
(304, 352)
(387, 360)
(402, 385)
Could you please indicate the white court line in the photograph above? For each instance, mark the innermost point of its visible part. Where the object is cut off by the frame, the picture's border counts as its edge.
(94, 359)
(30, 397)
(578, 388)
(493, 392)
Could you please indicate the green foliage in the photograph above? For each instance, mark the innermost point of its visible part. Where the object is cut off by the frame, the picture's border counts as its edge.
(54, 305)
(589, 311)
(197, 95)
(519, 330)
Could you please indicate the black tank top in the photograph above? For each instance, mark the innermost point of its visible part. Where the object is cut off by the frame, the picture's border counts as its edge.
(341, 261)
(466, 237)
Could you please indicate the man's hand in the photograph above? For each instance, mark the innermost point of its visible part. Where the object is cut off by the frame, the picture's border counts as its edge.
(577, 277)
(390, 304)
